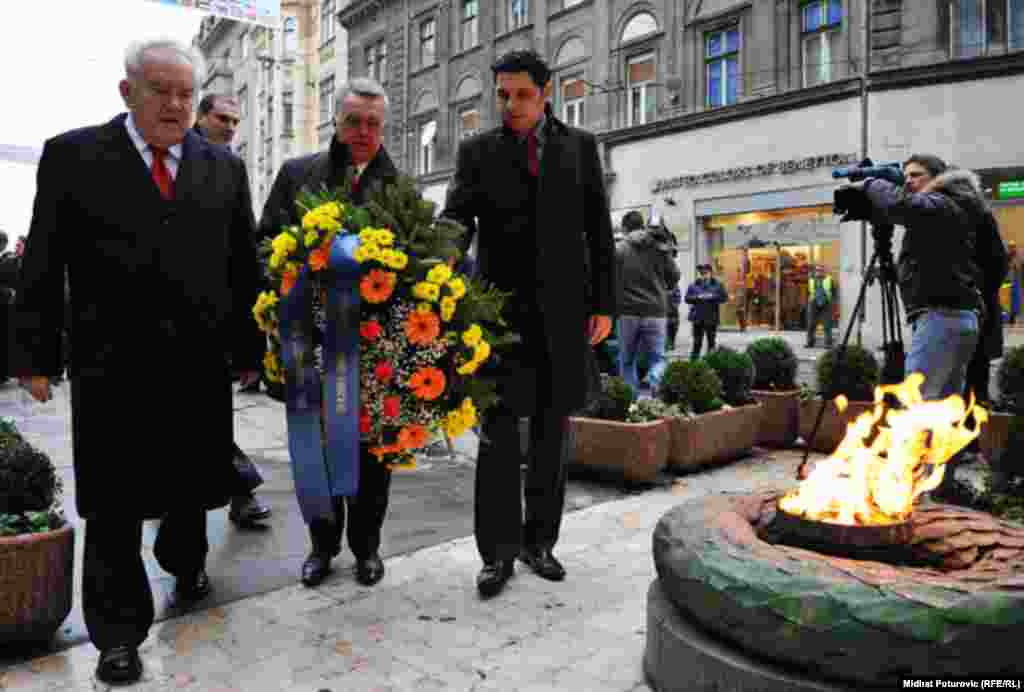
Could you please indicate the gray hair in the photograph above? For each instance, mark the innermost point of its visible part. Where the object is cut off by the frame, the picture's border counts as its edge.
(361, 86)
(141, 51)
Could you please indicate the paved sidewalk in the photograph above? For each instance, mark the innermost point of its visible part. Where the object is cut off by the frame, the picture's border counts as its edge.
(423, 627)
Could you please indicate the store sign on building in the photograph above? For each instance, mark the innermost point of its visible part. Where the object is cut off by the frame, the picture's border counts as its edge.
(726, 175)
(783, 233)
(1011, 189)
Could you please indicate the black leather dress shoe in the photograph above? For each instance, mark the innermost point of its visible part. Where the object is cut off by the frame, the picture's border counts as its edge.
(316, 568)
(543, 563)
(246, 510)
(493, 577)
(192, 589)
(119, 665)
(369, 571)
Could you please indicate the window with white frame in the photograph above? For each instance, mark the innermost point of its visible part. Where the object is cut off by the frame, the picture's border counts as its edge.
(468, 123)
(427, 138)
(721, 57)
(639, 76)
(427, 42)
(326, 99)
(572, 101)
(986, 27)
(518, 13)
(287, 112)
(470, 12)
(327, 20)
(291, 35)
(377, 61)
(820, 24)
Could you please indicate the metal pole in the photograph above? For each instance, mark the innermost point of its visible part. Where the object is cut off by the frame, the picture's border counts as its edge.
(865, 84)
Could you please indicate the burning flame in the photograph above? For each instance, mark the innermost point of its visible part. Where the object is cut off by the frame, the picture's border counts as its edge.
(878, 483)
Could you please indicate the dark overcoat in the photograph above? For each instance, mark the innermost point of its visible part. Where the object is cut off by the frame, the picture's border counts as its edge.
(160, 290)
(555, 249)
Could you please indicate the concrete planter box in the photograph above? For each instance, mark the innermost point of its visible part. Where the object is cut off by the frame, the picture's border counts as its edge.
(780, 417)
(713, 437)
(994, 435)
(833, 423)
(636, 450)
(36, 573)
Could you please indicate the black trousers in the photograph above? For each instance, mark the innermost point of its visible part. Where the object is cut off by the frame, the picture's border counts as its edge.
(116, 598)
(366, 511)
(700, 329)
(498, 504)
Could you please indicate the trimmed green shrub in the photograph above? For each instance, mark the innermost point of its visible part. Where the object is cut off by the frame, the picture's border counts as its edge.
(691, 385)
(30, 489)
(1010, 380)
(614, 401)
(855, 376)
(775, 363)
(648, 410)
(736, 371)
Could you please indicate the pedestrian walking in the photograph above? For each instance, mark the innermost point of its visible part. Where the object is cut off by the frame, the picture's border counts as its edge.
(145, 216)
(217, 119)
(532, 193)
(356, 150)
(704, 296)
(820, 296)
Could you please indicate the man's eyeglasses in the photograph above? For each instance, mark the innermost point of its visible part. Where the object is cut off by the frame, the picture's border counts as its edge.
(356, 122)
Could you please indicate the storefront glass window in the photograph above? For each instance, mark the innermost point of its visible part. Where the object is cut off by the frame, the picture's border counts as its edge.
(764, 260)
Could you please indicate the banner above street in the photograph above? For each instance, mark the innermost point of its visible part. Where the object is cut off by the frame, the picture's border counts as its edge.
(265, 12)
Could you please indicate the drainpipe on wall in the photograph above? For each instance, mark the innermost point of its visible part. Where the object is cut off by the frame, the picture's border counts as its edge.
(865, 83)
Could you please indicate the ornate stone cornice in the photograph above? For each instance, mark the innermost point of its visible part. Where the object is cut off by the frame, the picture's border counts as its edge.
(948, 72)
(358, 11)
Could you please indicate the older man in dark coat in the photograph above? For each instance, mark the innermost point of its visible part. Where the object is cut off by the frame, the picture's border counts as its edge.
(356, 151)
(155, 228)
(534, 191)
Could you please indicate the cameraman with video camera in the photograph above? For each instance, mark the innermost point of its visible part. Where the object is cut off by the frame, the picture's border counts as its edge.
(940, 281)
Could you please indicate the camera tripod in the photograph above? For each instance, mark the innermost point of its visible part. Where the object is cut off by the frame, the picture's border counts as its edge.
(881, 269)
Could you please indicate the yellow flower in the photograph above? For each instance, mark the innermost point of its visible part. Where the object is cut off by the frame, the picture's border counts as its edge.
(468, 368)
(458, 288)
(426, 291)
(313, 219)
(272, 367)
(276, 260)
(284, 244)
(265, 303)
(447, 308)
(372, 251)
(384, 236)
(399, 260)
(455, 424)
(312, 238)
(471, 337)
(424, 307)
(468, 409)
(332, 210)
(439, 274)
(360, 254)
(482, 352)
(368, 235)
(329, 224)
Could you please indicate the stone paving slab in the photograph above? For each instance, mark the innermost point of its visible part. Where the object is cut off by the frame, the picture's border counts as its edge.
(423, 627)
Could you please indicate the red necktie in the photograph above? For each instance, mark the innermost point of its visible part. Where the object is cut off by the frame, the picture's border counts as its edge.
(161, 174)
(531, 153)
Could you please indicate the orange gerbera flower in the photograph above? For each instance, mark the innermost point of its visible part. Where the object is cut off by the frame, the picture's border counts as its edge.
(288, 280)
(384, 450)
(412, 437)
(427, 383)
(422, 328)
(376, 287)
(318, 258)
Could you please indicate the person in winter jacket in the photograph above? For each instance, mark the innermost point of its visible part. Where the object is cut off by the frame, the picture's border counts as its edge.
(704, 296)
(940, 282)
(647, 273)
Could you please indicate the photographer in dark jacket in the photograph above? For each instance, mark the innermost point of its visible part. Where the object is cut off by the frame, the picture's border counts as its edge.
(940, 283)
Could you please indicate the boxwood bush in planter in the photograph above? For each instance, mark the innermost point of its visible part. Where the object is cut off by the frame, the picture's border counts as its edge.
(855, 375)
(775, 364)
(736, 372)
(30, 489)
(1010, 380)
(691, 385)
(614, 401)
(1000, 440)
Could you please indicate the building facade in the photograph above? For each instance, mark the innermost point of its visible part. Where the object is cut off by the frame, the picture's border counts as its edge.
(283, 79)
(723, 118)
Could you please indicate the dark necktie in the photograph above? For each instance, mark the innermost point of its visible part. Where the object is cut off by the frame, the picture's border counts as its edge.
(162, 174)
(531, 153)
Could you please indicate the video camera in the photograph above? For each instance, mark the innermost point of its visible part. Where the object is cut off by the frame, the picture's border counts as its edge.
(851, 203)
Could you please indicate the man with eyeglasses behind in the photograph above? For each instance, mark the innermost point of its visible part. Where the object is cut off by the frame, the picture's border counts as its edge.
(357, 150)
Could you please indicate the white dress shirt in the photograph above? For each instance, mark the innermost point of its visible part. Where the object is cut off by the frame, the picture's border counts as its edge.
(172, 159)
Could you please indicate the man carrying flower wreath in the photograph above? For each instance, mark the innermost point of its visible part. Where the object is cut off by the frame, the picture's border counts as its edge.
(356, 150)
(534, 191)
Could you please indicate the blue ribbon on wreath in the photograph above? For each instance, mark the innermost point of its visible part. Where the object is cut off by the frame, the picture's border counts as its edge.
(325, 461)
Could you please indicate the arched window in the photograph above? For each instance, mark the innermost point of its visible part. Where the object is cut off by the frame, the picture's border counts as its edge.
(426, 102)
(468, 88)
(291, 35)
(572, 50)
(640, 25)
